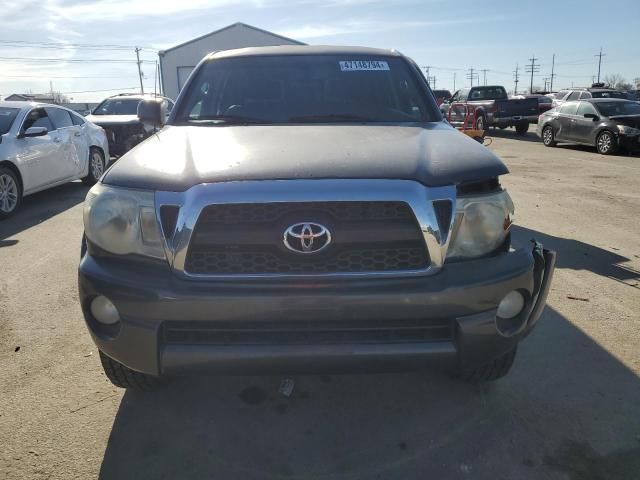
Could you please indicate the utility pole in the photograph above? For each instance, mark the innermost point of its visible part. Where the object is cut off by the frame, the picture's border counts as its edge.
(471, 76)
(546, 80)
(454, 81)
(532, 68)
(553, 64)
(599, 55)
(516, 79)
(434, 82)
(484, 73)
(139, 69)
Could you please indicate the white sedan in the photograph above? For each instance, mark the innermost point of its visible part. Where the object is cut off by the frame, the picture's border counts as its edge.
(42, 146)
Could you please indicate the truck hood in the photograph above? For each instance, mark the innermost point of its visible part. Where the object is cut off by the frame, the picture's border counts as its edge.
(179, 157)
(112, 119)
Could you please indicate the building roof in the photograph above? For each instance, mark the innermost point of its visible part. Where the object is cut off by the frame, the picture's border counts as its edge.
(31, 96)
(303, 50)
(17, 104)
(228, 27)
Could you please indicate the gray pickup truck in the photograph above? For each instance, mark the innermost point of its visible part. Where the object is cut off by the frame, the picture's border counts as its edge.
(493, 108)
(305, 209)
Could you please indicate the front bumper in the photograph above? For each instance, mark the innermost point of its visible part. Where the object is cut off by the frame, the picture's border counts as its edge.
(460, 301)
(630, 143)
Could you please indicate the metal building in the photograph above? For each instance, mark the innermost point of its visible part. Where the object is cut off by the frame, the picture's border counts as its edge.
(177, 62)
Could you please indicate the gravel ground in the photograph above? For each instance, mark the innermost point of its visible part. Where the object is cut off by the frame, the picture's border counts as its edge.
(568, 410)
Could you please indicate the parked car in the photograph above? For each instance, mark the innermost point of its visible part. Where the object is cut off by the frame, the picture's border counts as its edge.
(606, 123)
(441, 96)
(118, 115)
(352, 230)
(585, 94)
(493, 107)
(42, 146)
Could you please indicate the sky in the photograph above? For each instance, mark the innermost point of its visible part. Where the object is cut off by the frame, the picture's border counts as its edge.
(450, 37)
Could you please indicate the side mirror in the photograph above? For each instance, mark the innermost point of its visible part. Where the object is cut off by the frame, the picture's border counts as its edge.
(34, 132)
(152, 111)
(592, 116)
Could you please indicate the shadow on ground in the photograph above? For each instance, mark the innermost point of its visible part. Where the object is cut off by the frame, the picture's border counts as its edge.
(41, 206)
(577, 255)
(568, 410)
(510, 133)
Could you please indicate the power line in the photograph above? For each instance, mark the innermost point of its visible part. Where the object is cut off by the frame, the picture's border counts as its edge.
(553, 64)
(63, 77)
(471, 75)
(599, 55)
(532, 68)
(139, 69)
(103, 90)
(71, 60)
(77, 45)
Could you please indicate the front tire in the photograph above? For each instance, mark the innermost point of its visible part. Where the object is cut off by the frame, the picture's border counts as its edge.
(124, 377)
(606, 143)
(548, 137)
(490, 371)
(96, 166)
(10, 193)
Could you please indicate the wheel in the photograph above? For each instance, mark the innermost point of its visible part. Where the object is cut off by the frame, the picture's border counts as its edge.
(548, 137)
(490, 371)
(606, 143)
(480, 123)
(522, 128)
(96, 166)
(10, 193)
(124, 377)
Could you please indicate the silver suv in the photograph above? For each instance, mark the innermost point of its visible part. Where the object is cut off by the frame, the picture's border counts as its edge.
(305, 208)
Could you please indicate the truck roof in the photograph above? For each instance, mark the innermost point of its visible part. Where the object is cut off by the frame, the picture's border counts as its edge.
(303, 50)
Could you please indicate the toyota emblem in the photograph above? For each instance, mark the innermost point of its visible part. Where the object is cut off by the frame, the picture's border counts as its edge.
(307, 237)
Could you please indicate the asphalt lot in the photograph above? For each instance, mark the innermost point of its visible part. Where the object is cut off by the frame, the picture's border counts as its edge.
(570, 409)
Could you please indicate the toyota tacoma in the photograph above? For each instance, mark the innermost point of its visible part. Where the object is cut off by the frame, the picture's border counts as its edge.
(305, 208)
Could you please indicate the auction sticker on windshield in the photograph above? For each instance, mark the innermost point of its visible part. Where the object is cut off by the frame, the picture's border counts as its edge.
(359, 65)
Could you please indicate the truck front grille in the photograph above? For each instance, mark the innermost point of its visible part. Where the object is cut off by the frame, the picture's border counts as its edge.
(247, 239)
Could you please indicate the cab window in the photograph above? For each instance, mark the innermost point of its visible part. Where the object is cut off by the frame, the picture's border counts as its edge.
(586, 107)
(569, 108)
(77, 119)
(37, 118)
(59, 117)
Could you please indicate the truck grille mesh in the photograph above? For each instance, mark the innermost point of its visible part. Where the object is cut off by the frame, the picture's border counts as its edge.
(247, 239)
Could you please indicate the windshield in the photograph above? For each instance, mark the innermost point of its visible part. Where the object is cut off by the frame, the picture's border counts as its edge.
(305, 89)
(7, 116)
(488, 93)
(611, 109)
(608, 94)
(118, 106)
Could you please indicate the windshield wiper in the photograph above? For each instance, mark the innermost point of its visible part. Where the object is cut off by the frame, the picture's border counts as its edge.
(226, 120)
(331, 117)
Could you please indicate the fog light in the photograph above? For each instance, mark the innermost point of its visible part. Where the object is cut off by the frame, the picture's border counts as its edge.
(511, 305)
(104, 311)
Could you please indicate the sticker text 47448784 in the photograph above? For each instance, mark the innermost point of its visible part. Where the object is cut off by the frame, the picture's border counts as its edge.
(360, 65)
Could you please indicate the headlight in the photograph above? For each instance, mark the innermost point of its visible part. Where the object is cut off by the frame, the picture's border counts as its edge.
(481, 225)
(628, 130)
(123, 221)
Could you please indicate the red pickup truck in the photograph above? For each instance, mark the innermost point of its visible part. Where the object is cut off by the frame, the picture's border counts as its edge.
(494, 108)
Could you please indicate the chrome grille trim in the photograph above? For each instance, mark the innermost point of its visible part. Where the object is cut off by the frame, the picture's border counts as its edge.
(419, 198)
